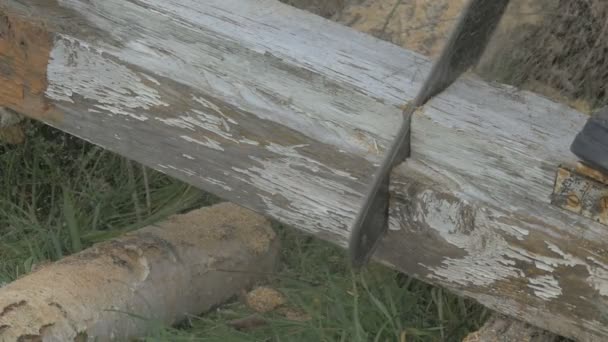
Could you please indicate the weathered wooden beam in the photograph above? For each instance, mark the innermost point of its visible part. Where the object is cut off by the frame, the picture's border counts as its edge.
(288, 114)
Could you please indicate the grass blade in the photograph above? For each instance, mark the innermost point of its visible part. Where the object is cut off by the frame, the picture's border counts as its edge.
(69, 215)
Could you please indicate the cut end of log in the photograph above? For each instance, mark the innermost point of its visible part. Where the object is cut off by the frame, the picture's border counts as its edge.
(186, 265)
(25, 49)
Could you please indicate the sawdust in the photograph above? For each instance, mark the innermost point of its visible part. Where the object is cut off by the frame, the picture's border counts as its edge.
(264, 299)
(225, 221)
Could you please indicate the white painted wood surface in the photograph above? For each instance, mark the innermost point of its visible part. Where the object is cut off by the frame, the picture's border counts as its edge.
(288, 114)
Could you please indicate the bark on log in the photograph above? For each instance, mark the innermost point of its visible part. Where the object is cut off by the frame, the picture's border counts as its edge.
(289, 114)
(120, 289)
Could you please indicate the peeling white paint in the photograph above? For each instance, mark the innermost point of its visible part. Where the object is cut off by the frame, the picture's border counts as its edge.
(306, 162)
(151, 79)
(566, 259)
(217, 182)
(249, 142)
(326, 203)
(177, 122)
(545, 287)
(214, 108)
(489, 257)
(322, 109)
(185, 171)
(189, 172)
(210, 143)
(598, 276)
(215, 124)
(485, 262)
(76, 69)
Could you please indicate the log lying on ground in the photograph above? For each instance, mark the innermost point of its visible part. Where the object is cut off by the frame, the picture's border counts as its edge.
(289, 114)
(122, 288)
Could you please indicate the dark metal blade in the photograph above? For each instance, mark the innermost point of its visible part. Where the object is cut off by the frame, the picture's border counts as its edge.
(371, 222)
(464, 47)
(462, 50)
(591, 143)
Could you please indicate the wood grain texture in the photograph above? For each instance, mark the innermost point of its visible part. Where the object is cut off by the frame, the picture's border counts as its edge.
(289, 114)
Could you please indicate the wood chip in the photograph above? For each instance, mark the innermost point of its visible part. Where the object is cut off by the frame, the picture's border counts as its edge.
(264, 299)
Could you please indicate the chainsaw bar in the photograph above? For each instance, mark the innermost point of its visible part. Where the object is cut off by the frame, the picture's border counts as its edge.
(462, 50)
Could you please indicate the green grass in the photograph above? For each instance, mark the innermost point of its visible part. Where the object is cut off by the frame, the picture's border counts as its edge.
(378, 305)
(60, 194)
